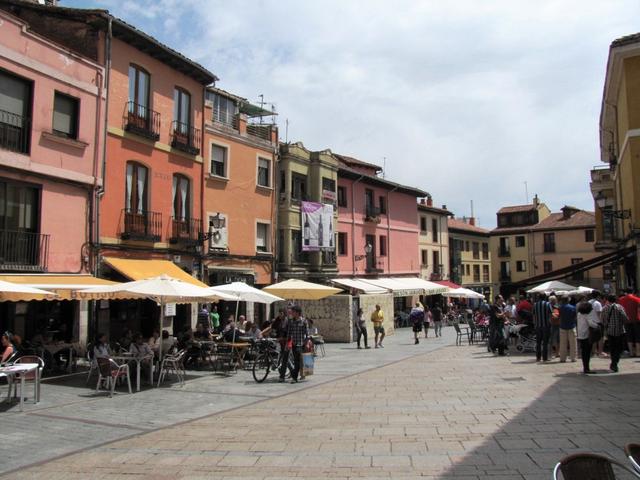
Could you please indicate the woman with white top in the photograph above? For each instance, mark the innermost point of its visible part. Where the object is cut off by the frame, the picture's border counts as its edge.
(585, 320)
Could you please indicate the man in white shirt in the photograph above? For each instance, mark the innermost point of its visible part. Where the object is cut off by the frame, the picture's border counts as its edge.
(596, 315)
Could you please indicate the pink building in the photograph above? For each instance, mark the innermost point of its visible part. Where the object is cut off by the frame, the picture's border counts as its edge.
(51, 119)
(377, 226)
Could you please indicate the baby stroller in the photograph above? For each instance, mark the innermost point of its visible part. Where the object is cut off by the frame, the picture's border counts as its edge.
(526, 337)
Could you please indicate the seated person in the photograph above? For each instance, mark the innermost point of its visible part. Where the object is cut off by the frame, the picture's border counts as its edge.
(168, 342)
(101, 347)
(127, 338)
(201, 333)
(231, 333)
(154, 339)
(252, 331)
(7, 347)
(138, 347)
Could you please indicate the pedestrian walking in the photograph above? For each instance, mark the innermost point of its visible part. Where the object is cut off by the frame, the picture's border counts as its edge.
(567, 334)
(497, 339)
(542, 324)
(361, 328)
(377, 317)
(596, 313)
(417, 320)
(585, 322)
(436, 316)
(554, 339)
(297, 334)
(613, 319)
(631, 305)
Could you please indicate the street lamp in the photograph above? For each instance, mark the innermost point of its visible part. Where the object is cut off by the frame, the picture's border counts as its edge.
(217, 222)
(602, 200)
(368, 248)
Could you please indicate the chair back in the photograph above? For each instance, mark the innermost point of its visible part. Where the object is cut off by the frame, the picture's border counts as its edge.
(104, 366)
(585, 466)
(31, 359)
(632, 451)
(457, 327)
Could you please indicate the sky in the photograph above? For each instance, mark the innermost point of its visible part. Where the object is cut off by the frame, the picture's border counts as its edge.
(466, 99)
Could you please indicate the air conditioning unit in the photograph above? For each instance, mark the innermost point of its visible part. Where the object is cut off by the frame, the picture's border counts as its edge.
(219, 239)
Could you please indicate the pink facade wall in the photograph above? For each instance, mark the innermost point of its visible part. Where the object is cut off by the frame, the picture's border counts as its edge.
(398, 225)
(65, 171)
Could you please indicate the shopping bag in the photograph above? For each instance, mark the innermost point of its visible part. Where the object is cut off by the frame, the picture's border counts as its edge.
(307, 364)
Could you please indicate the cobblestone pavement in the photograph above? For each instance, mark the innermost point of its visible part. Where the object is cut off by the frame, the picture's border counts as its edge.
(451, 413)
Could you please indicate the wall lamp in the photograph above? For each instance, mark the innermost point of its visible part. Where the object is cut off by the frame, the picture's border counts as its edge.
(368, 248)
(602, 200)
(216, 223)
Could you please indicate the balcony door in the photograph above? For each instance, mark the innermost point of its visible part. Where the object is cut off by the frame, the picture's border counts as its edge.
(20, 242)
(15, 106)
(181, 111)
(181, 206)
(139, 81)
(371, 256)
(136, 211)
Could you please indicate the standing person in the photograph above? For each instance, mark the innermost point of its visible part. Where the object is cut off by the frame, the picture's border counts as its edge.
(584, 321)
(297, 333)
(567, 330)
(377, 317)
(542, 322)
(596, 313)
(497, 340)
(436, 320)
(215, 319)
(555, 326)
(361, 328)
(203, 316)
(524, 310)
(631, 305)
(613, 319)
(417, 319)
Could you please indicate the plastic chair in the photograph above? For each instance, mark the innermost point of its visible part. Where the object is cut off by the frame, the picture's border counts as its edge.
(29, 376)
(173, 364)
(632, 450)
(589, 466)
(109, 373)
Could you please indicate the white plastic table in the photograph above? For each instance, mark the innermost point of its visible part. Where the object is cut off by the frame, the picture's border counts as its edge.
(22, 368)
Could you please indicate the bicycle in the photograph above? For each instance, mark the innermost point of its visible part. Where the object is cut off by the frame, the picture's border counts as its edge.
(267, 359)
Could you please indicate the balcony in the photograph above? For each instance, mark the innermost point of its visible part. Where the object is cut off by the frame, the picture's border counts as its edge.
(142, 121)
(225, 117)
(185, 137)
(185, 230)
(14, 132)
(260, 131)
(504, 252)
(372, 214)
(23, 251)
(142, 225)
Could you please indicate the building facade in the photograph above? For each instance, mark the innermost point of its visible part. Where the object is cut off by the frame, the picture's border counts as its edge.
(470, 256)
(433, 241)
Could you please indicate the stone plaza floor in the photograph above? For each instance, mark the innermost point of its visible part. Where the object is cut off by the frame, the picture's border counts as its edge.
(431, 411)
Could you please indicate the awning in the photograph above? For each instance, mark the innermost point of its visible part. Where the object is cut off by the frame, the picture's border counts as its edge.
(141, 269)
(449, 284)
(407, 286)
(363, 287)
(62, 285)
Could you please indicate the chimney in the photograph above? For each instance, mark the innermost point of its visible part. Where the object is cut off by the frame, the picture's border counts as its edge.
(464, 219)
(422, 201)
(429, 201)
(444, 207)
(567, 212)
(472, 221)
(536, 200)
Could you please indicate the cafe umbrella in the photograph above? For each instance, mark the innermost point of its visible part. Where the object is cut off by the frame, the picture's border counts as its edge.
(294, 289)
(15, 292)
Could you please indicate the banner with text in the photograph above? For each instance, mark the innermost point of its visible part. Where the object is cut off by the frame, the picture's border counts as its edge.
(317, 226)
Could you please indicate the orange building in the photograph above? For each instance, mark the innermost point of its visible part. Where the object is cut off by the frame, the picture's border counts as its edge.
(239, 185)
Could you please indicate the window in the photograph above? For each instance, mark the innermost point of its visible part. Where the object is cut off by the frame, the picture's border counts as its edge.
(15, 104)
(182, 110)
(383, 246)
(504, 247)
(485, 274)
(505, 271)
(589, 235)
(549, 242)
(467, 268)
(424, 258)
(328, 184)
(382, 204)
(181, 198)
(434, 230)
(476, 273)
(262, 237)
(19, 212)
(342, 197)
(423, 224)
(485, 251)
(467, 248)
(224, 109)
(476, 250)
(577, 276)
(520, 242)
(264, 172)
(138, 90)
(219, 159)
(368, 199)
(342, 243)
(65, 115)
(435, 256)
(521, 266)
(298, 186)
(547, 266)
(136, 188)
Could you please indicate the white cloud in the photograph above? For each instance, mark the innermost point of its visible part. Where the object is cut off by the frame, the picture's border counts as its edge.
(465, 99)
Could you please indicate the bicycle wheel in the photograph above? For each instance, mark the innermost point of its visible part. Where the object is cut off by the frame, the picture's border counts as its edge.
(261, 367)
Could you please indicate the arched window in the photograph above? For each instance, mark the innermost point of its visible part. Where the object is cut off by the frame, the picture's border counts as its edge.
(136, 191)
(181, 198)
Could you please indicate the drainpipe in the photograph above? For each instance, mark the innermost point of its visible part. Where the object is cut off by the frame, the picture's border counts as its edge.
(92, 197)
(353, 225)
(100, 191)
(389, 230)
(275, 192)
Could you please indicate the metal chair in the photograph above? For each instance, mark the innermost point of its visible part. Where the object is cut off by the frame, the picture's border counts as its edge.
(173, 364)
(93, 365)
(460, 333)
(110, 372)
(589, 466)
(29, 376)
(632, 450)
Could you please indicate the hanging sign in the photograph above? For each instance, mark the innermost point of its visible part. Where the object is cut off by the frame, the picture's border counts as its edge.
(316, 220)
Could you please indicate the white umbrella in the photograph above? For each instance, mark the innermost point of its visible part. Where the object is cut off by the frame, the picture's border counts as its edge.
(163, 289)
(580, 291)
(552, 286)
(16, 292)
(245, 293)
(463, 293)
(294, 289)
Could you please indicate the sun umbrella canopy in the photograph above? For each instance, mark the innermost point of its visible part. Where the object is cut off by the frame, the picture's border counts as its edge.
(580, 291)
(15, 292)
(463, 293)
(246, 293)
(552, 286)
(294, 289)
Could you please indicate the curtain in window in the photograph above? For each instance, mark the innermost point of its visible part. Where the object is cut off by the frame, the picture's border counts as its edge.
(261, 237)
(128, 199)
(184, 188)
(142, 182)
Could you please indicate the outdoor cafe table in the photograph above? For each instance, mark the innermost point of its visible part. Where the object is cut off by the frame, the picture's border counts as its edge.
(238, 349)
(124, 358)
(56, 347)
(22, 368)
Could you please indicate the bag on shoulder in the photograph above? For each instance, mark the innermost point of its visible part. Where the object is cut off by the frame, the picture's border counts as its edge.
(585, 308)
(595, 334)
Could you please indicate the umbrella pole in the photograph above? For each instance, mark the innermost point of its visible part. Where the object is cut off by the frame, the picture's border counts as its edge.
(233, 340)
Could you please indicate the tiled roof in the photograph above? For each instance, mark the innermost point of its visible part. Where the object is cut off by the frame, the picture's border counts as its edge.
(580, 219)
(626, 40)
(517, 208)
(347, 172)
(456, 224)
(511, 230)
(427, 208)
(354, 162)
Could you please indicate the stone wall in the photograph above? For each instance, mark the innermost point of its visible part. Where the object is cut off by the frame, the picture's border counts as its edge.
(368, 304)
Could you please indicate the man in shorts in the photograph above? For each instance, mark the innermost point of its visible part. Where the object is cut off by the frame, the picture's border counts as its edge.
(377, 317)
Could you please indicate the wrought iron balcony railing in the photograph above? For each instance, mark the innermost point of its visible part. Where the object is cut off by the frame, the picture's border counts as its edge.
(372, 213)
(142, 121)
(185, 230)
(185, 137)
(24, 251)
(141, 225)
(14, 132)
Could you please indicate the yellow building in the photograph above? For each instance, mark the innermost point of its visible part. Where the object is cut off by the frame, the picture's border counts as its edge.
(304, 176)
(433, 242)
(617, 197)
(470, 254)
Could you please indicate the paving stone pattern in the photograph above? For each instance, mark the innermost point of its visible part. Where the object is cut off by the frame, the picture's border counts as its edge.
(449, 413)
